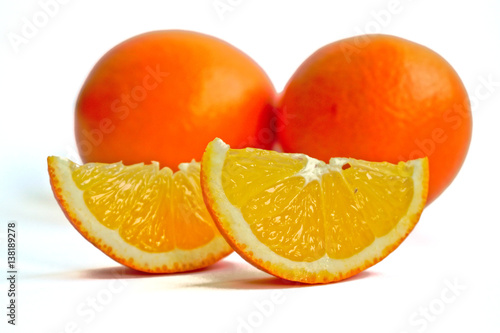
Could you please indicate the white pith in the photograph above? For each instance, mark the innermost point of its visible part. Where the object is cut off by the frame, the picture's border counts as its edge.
(111, 238)
(313, 170)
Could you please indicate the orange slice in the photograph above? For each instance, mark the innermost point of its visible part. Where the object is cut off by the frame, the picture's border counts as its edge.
(144, 217)
(303, 220)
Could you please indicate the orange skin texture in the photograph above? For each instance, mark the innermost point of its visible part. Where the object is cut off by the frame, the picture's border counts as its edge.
(378, 98)
(164, 95)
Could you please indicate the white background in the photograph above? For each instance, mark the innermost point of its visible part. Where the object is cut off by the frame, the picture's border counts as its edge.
(455, 242)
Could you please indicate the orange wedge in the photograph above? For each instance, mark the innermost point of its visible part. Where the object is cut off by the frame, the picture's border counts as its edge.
(144, 217)
(303, 220)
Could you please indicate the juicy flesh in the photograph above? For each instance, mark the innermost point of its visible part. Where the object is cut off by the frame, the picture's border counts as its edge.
(151, 209)
(303, 211)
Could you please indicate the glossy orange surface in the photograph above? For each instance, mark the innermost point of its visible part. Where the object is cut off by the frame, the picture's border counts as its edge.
(378, 98)
(162, 96)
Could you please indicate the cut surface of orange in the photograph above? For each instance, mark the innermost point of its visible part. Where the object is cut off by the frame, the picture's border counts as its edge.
(303, 220)
(144, 217)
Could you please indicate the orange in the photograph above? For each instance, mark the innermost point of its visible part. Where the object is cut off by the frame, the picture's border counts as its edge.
(144, 217)
(378, 98)
(164, 95)
(304, 220)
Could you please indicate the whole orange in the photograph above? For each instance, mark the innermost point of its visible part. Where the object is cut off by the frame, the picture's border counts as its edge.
(378, 98)
(164, 95)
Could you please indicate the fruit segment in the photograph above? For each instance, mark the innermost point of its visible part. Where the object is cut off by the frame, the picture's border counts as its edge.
(248, 172)
(304, 220)
(302, 214)
(383, 192)
(144, 217)
(368, 201)
(348, 232)
(139, 201)
(288, 219)
(192, 222)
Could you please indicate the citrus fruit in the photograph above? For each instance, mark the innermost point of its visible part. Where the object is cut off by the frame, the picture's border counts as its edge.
(378, 98)
(304, 220)
(144, 217)
(164, 95)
